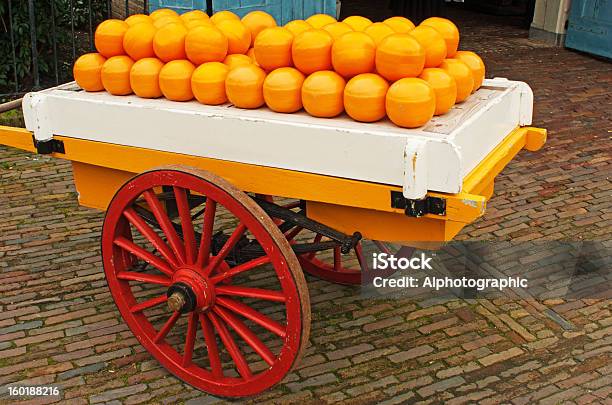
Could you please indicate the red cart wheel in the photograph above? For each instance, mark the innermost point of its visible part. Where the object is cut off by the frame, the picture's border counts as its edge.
(335, 269)
(333, 266)
(347, 269)
(169, 282)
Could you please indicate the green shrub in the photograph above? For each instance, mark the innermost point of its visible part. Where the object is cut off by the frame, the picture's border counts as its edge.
(20, 28)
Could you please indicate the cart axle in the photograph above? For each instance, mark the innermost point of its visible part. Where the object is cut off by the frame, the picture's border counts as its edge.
(176, 301)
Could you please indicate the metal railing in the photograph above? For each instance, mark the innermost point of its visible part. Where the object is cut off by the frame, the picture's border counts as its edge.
(40, 40)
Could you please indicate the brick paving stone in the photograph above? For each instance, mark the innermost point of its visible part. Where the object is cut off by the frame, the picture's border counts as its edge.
(7, 370)
(102, 357)
(516, 327)
(69, 316)
(604, 392)
(58, 324)
(577, 380)
(530, 365)
(455, 341)
(315, 381)
(92, 368)
(473, 397)
(439, 386)
(426, 312)
(593, 353)
(466, 327)
(405, 398)
(204, 400)
(369, 356)
(411, 354)
(325, 367)
(349, 351)
(599, 383)
(364, 388)
(118, 393)
(563, 396)
(443, 324)
(334, 397)
(408, 385)
(453, 371)
(484, 341)
(502, 356)
(8, 338)
(18, 351)
(69, 356)
(20, 326)
(383, 323)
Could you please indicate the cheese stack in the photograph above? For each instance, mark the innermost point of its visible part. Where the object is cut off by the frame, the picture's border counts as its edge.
(327, 67)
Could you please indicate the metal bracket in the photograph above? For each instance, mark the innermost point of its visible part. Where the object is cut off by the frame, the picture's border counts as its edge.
(48, 146)
(418, 208)
(346, 242)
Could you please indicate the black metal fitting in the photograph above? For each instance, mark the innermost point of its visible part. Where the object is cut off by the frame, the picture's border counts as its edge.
(349, 243)
(292, 218)
(48, 146)
(418, 208)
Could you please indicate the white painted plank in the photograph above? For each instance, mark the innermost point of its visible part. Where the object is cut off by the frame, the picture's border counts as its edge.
(449, 146)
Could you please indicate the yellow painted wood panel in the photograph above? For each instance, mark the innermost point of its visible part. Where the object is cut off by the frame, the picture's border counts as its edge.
(100, 168)
(19, 138)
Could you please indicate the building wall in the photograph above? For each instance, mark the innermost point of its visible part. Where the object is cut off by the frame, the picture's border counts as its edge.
(551, 15)
(549, 21)
(134, 7)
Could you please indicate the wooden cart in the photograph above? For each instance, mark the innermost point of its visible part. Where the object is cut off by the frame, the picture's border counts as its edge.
(212, 213)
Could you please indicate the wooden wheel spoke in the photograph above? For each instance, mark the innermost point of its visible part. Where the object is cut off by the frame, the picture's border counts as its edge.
(251, 264)
(227, 247)
(145, 255)
(317, 239)
(360, 258)
(293, 233)
(148, 232)
(189, 240)
(144, 278)
(211, 345)
(165, 224)
(247, 335)
(383, 248)
(148, 304)
(232, 348)
(254, 315)
(249, 292)
(337, 259)
(207, 230)
(163, 332)
(192, 328)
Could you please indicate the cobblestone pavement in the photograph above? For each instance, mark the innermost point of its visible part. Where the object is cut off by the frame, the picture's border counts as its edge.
(59, 325)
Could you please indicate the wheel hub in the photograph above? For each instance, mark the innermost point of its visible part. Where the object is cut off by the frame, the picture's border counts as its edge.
(190, 291)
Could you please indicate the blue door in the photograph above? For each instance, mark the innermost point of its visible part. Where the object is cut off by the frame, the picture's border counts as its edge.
(590, 27)
(282, 10)
(180, 6)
